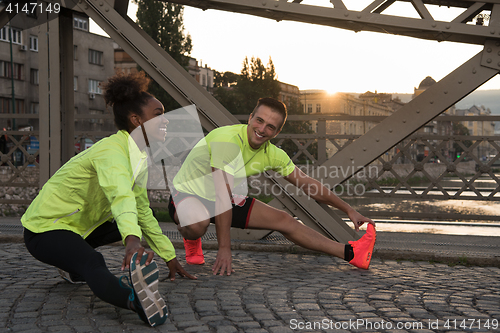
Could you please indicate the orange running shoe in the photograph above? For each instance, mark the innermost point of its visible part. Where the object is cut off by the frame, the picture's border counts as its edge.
(363, 248)
(194, 252)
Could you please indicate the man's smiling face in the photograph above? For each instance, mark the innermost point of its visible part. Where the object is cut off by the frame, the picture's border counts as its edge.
(263, 125)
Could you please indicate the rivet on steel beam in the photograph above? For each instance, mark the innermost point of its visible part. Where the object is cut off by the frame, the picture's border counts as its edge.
(101, 3)
(390, 130)
(364, 148)
(434, 25)
(404, 121)
(359, 16)
(264, 3)
(448, 26)
(474, 71)
(346, 14)
(295, 208)
(459, 81)
(377, 139)
(445, 92)
(276, 4)
(488, 50)
(351, 158)
(488, 61)
(86, 6)
(283, 207)
(492, 32)
(432, 102)
(418, 111)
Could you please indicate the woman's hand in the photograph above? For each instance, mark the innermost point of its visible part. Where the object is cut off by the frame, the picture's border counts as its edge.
(175, 267)
(133, 245)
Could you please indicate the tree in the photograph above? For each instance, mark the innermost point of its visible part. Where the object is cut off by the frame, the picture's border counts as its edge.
(256, 81)
(163, 21)
(240, 93)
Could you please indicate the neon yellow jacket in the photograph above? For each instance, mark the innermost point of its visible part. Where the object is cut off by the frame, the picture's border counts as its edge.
(103, 182)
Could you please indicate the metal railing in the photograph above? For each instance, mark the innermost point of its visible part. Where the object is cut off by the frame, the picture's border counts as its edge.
(424, 166)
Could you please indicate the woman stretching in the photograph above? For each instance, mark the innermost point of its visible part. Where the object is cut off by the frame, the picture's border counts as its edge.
(99, 197)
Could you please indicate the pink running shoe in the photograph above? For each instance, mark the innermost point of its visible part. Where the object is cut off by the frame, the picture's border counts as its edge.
(363, 248)
(194, 252)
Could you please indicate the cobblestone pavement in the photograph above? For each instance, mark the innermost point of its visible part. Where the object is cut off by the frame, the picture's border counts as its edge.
(270, 292)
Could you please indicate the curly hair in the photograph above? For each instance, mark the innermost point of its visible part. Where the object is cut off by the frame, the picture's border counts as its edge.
(126, 94)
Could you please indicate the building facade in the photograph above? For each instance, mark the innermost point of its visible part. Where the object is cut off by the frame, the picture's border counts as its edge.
(93, 60)
(321, 102)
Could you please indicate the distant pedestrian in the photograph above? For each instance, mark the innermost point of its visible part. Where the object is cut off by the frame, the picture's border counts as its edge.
(98, 197)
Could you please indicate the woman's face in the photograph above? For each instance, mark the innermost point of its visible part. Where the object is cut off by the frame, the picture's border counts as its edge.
(153, 120)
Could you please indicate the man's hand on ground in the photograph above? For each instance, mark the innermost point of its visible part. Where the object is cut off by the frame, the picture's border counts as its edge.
(223, 262)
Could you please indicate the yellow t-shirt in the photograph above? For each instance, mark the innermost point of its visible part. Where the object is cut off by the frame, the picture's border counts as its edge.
(227, 148)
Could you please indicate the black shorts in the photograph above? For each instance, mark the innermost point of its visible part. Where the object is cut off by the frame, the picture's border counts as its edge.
(242, 207)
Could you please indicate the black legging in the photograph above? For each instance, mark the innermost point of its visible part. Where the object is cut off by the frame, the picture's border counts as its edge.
(70, 252)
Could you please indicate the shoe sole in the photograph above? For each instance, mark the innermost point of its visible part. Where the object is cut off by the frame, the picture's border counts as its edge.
(145, 283)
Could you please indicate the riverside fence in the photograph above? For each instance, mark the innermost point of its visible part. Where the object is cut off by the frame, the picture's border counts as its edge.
(433, 163)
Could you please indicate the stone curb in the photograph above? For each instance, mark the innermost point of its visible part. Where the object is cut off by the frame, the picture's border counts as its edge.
(384, 254)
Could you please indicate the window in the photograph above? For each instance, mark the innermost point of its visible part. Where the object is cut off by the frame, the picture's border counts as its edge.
(75, 53)
(34, 43)
(6, 70)
(80, 23)
(16, 35)
(6, 105)
(94, 87)
(309, 108)
(34, 76)
(318, 107)
(95, 57)
(34, 108)
(75, 83)
(97, 120)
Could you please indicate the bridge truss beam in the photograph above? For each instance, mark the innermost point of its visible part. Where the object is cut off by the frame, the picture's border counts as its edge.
(185, 90)
(371, 18)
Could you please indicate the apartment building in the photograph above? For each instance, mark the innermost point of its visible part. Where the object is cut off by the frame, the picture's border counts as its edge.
(19, 74)
(321, 102)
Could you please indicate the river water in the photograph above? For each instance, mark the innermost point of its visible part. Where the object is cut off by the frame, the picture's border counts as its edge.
(462, 226)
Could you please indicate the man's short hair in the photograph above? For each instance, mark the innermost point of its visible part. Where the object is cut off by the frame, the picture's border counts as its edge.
(275, 105)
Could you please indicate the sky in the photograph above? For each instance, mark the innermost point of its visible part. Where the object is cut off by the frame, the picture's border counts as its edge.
(318, 57)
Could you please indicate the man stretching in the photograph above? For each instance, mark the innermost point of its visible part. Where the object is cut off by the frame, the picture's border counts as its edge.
(204, 191)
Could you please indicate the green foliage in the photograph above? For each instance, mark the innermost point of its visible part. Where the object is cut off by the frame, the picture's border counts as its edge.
(163, 21)
(240, 93)
(162, 215)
